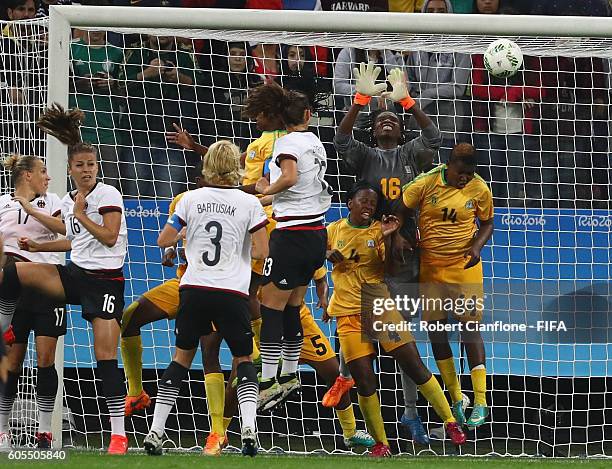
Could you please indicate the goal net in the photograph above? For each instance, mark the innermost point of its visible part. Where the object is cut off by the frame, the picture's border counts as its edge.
(543, 141)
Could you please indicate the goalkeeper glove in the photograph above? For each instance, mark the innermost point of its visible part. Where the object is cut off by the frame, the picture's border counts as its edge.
(365, 83)
(400, 89)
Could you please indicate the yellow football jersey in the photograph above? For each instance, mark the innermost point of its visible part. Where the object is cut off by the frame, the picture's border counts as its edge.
(447, 215)
(180, 270)
(363, 249)
(257, 153)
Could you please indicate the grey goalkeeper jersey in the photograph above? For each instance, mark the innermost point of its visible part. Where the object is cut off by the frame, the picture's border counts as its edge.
(388, 170)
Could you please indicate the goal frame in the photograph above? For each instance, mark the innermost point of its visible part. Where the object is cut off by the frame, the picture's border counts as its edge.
(63, 18)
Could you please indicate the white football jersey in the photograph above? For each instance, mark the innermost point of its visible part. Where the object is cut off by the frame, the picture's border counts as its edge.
(219, 224)
(15, 223)
(310, 197)
(87, 252)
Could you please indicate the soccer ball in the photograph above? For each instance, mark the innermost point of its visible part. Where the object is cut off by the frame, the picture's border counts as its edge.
(503, 58)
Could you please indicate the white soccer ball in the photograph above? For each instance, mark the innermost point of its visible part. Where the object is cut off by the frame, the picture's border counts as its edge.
(503, 58)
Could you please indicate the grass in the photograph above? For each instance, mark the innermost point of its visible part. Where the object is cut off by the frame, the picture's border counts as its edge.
(87, 459)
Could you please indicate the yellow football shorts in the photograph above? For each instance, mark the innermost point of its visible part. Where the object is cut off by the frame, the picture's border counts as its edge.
(165, 297)
(317, 347)
(450, 288)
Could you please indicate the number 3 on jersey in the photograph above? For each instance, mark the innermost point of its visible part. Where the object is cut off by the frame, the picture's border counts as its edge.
(216, 242)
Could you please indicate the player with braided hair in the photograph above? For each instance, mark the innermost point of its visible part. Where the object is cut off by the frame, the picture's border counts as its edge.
(96, 235)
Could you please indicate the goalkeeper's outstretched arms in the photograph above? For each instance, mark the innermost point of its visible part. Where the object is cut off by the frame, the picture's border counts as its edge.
(430, 137)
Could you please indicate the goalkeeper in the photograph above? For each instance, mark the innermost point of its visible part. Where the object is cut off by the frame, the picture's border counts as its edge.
(388, 163)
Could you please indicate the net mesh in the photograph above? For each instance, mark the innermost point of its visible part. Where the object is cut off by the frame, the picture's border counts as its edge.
(544, 147)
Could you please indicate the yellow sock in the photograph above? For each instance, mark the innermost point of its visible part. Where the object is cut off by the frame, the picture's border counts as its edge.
(226, 423)
(449, 376)
(434, 394)
(347, 421)
(370, 408)
(131, 352)
(215, 398)
(256, 326)
(255, 355)
(479, 384)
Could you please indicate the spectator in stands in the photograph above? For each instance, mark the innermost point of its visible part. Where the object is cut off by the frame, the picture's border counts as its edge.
(43, 6)
(232, 77)
(23, 71)
(438, 82)
(96, 66)
(213, 3)
(574, 126)
(505, 122)
(355, 5)
(344, 85)
(160, 91)
(266, 59)
(487, 7)
(298, 71)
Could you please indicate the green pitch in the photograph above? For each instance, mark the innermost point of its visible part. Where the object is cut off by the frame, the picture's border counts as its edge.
(85, 460)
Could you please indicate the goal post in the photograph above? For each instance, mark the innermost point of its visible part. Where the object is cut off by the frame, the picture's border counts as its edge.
(550, 251)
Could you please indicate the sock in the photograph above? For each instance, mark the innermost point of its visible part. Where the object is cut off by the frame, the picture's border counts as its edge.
(215, 398)
(6, 400)
(131, 352)
(347, 421)
(256, 326)
(226, 423)
(46, 389)
(248, 391)
(370, 408)
(449, 376)
(10, 289)
(167, 392)
(114, 393)
(256, 354)
(479, 384)
(410, 396)
(344, 369)
(270, 345)
(293, 339)
(432, 391)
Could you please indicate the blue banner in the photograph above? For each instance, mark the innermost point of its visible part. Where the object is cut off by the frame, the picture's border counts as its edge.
(547, 269)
